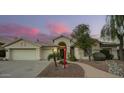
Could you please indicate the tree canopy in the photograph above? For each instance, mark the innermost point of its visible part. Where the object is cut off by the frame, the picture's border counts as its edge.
(81, 34)
(114, 28)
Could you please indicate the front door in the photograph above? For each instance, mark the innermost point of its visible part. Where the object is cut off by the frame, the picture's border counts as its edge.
(62, 53)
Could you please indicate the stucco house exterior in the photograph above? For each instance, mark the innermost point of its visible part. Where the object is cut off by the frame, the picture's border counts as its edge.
(22, 49)
(26, 50)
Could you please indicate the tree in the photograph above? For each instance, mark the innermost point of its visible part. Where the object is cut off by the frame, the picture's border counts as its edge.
(114, 28)
(81, 34)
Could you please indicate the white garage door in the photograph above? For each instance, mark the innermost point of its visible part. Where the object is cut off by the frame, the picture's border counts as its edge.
(24, 54)
(46, 53)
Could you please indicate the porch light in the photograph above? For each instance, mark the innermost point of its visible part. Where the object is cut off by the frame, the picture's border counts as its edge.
(55, 50)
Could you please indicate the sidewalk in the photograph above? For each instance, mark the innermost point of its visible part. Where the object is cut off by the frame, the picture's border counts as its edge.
(91, 72)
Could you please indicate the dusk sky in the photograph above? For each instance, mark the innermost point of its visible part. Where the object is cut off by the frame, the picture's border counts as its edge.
(32, 25)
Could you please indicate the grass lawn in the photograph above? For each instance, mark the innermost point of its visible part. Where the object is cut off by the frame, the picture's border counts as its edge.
(73, 70)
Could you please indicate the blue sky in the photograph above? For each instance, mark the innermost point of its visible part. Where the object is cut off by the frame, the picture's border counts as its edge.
(48, 24)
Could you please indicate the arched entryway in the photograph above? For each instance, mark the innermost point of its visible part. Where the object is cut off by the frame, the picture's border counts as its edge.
(62, 45)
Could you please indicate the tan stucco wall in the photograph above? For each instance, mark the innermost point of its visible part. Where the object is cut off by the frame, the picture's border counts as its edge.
(79, 54)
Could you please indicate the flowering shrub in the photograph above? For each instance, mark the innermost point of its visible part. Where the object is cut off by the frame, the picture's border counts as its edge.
(115, 68)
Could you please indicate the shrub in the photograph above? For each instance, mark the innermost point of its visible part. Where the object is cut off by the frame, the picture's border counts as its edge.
(111, 56)
(107, 54)
(62, 62)
(71, 57)
(98, 56)
(51, 56)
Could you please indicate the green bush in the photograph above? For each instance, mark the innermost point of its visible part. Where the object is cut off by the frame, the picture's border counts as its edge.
(98, 56)
(107, 54)
(62, 62)
(51, 56)
(111, 56)
(71, 57)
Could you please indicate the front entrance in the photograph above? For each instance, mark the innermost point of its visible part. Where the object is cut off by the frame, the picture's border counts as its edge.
(62, 53)
(62, 45)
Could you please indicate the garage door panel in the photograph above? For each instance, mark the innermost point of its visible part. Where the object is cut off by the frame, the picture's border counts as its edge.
(46, 53)
(24, 54)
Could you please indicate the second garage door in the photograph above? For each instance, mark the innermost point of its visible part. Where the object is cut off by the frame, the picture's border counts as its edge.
(24, 54)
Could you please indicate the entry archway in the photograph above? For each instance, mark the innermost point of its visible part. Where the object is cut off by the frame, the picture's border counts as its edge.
(62, 45)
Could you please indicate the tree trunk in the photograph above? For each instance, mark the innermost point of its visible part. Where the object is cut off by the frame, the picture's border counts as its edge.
(89, 51)
(55, 60)
(89, 58)
(121, 49)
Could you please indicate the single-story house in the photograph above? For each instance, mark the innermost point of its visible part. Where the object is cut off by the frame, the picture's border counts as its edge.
(22, 49)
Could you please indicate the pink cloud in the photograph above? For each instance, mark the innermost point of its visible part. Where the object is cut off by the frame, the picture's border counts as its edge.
(35, 31)
(30, 33)
(18, 30)
(58, 28)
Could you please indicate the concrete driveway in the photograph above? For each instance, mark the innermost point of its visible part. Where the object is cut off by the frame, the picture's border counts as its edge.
(21, 69)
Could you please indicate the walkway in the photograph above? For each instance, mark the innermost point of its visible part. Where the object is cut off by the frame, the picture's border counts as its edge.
(91, 72)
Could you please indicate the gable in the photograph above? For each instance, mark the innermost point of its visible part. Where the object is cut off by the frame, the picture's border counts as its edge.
(62, 39)
(61, 36)
(22, 44)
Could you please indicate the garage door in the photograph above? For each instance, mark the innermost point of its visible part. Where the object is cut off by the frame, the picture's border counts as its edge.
(24, 54)
(46, 53)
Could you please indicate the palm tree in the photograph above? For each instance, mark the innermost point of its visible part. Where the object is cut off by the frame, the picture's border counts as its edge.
(81, 34)
(114, 28)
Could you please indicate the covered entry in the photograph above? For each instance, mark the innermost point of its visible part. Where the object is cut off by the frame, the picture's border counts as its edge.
(62, 45)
